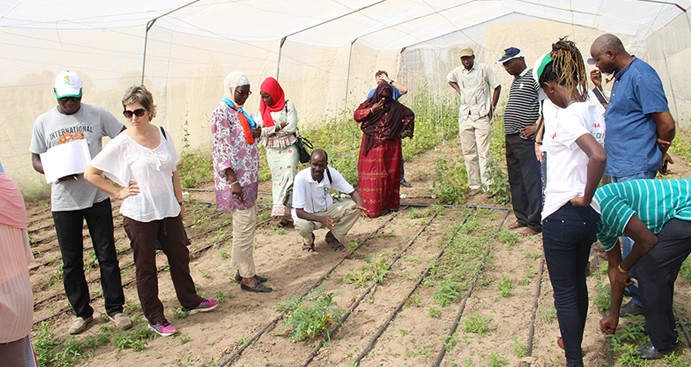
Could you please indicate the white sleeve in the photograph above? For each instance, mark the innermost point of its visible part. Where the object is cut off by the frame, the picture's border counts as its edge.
(571, 127)
(112, 162)
(299, 191)
(339, 183)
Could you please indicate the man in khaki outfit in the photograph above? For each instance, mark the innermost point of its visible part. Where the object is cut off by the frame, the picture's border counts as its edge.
(479, 89)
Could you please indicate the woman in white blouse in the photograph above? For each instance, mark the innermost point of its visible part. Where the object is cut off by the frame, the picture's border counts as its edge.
(143, 160)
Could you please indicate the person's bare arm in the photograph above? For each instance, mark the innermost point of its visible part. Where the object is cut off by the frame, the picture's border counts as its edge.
(455, 87)
(597, 160)
(666, 129)
(495, 100)
(618, 269)
(36, 163)
(94, 176)
(326, 221)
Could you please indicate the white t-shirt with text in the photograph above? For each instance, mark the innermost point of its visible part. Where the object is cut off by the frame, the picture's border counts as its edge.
(53, 128)
(567, 164)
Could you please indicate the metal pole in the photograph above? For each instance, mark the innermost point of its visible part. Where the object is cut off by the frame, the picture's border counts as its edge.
(317, 25)
(150, 25)
(350, 57)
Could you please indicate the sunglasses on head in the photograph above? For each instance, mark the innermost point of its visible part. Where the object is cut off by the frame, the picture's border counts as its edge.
(139, 112)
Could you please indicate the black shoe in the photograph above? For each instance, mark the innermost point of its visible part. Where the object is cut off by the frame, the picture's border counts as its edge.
(405, 183)
(630, 309)
(258, 287)
(648, 351)
(238, 278)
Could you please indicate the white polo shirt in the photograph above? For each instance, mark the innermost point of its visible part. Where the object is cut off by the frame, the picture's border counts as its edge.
(313, 196)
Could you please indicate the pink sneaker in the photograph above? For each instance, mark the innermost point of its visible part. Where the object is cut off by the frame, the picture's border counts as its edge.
(163, 328)
(205, 306)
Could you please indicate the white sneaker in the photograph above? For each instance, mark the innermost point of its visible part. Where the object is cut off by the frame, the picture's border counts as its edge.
(79, 324)
(121, 321)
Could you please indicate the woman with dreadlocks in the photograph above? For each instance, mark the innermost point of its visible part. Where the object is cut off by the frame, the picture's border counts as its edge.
(574, 169)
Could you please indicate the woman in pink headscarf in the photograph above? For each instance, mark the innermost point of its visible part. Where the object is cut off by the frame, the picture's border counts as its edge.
(16, 299)
(279, 121)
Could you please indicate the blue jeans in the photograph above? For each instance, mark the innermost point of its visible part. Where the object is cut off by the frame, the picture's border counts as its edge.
(627, 243)
(567, 236)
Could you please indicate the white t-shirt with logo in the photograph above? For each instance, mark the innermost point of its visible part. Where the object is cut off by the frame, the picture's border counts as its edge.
(567, 164)
(123, 159)
(313, 196)
(53, 128)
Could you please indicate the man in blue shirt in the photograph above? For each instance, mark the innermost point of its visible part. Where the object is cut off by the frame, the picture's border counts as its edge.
(657, 215)
(399, 90)
(639, 126)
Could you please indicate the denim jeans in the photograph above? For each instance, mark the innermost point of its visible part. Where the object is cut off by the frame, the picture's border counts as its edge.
(627, 243)
(68, 226)
(567, 236)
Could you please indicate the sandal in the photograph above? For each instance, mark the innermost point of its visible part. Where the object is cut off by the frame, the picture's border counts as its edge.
(335, 244)
(238, 278)
(258, 287)
(308, 247)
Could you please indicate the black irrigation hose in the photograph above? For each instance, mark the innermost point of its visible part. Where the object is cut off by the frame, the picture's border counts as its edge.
(682, 323)
(369, 289)
(382, 328)
(459, 314)
(451, 206)
(536, 301)
(193, 254)
(610, 346)
(276, 319)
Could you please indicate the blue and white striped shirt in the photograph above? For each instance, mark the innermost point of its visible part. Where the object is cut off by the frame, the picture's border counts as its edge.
(655, 202)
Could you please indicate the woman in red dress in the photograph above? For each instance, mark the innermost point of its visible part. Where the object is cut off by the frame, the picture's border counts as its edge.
(383, 122)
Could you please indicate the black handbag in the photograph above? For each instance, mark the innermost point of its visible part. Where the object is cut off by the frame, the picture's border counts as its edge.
(304, 147)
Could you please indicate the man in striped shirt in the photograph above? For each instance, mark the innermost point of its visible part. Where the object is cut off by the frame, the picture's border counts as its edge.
(520, 116)
(656, 214)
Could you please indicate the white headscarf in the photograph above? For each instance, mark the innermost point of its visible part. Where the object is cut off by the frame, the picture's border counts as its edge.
(232, 81)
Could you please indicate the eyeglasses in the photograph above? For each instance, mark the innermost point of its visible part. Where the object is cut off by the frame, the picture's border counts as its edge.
(139, 112)
(248, 93)
(69, 99)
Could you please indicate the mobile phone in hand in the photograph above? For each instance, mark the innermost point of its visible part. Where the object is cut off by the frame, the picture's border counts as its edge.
(663, 170)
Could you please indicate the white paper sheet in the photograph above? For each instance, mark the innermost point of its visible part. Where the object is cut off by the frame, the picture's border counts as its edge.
(65, 159)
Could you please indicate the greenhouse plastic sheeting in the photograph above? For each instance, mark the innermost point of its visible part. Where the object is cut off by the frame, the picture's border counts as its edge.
(324, 52)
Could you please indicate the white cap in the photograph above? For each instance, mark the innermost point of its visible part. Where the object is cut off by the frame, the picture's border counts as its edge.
(68, 84)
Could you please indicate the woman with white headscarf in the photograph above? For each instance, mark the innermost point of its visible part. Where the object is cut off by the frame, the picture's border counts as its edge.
(236, 170)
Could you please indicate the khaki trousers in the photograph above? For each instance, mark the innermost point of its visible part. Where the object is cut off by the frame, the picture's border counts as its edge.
(474, 137)
(244, 225)
(345, 215)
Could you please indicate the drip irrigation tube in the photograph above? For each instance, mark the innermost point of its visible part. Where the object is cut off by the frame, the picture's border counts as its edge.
(536, 301)
(273, 322)
(382, 328)
(459, 314)
(682, 323)
(357, 302)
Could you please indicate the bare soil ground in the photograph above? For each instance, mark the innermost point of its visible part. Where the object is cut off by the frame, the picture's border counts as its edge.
(414, 328)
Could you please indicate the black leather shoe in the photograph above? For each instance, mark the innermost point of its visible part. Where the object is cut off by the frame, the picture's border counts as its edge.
(630, 309)
(405, 183)
(648, 351)
(238, 278)
(258, 287)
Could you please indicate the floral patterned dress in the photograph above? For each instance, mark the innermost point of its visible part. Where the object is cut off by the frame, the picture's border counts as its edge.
(230, 150)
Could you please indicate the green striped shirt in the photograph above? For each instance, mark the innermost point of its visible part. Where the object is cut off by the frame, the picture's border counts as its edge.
(655, 202)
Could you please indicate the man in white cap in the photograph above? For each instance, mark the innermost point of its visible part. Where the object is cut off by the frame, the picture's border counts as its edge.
(74, 200)
(479, 89)
(520, 123)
